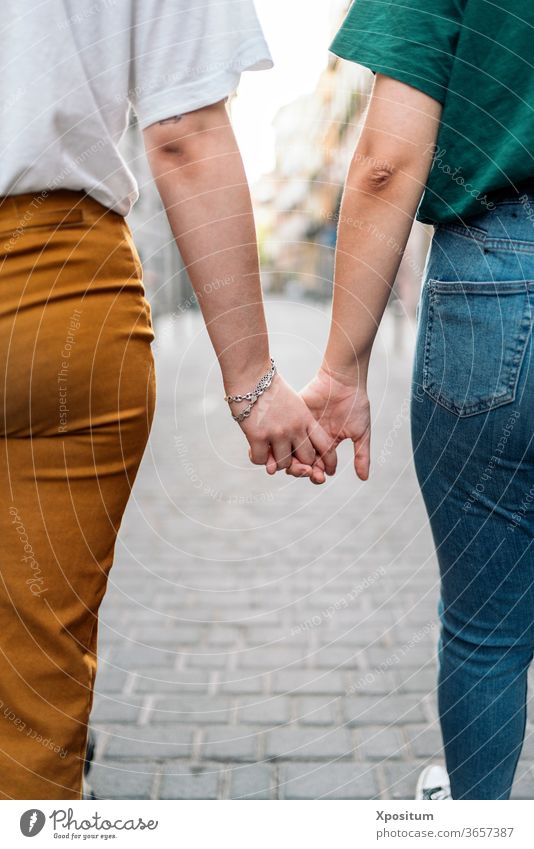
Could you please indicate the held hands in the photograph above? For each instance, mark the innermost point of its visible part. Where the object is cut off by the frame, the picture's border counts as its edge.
(341, 406)
(281, 431)
(301, 433)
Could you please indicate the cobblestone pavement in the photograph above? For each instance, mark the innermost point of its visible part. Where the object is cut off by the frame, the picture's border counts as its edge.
(263, 638)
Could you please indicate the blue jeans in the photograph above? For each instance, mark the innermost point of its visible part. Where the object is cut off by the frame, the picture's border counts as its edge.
(473, 440)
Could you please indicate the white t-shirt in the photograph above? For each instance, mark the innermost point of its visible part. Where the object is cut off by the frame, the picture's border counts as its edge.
(71, 69)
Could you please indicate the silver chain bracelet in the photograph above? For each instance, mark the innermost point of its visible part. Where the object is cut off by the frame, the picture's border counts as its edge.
(262, 385)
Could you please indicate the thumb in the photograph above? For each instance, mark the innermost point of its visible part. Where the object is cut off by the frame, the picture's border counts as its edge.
(362, 455)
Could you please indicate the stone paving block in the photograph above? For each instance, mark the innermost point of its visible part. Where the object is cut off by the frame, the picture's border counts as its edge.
(339, 657)
(355, 635)
(123, 780)
(239, 682)
(417, 656)
(308, 744)
(116, 708)
(315, 710)
(184, 783)
(110, 680)
(265, 710)
(425, 741)
(254, 781)
(162, 680)
(223, 636)
(164, 634)
(400, 778)
(528, 746)
(212, 660)
(270, 658)
(378, 743)
(209, 617)
(403, 631)
(124, 741)
(133, 657)
(372, 683)
(230, 743)
(197, 710)
(524, 783)
(264, 635)
(365, 710)
(300, 681)
(327, 781)
(423, 680)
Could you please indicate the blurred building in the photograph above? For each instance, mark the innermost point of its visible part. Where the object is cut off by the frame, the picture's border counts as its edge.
(298, 203)
(315, 137)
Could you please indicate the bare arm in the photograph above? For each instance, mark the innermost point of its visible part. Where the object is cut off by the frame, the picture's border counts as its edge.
(200, 176)
(385, 183)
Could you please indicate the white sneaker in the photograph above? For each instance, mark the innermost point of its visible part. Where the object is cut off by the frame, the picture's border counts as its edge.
(433, 784)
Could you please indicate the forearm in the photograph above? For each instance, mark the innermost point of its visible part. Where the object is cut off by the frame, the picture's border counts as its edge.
(203, 186)
(374, 226)
(384, 186)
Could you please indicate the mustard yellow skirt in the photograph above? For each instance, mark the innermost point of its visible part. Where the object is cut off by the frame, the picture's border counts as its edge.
(77, 394)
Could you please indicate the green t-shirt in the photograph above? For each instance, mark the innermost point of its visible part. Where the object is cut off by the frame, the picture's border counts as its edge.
(476, 57)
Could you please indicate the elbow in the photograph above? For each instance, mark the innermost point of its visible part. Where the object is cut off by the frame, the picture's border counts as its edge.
(186, 138)
(373, 174)
(165, 145)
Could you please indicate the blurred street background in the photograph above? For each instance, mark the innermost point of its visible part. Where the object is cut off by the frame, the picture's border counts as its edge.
(263, 638)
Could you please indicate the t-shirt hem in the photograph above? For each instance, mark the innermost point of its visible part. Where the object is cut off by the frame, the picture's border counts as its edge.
(203, 92)
(346, 50)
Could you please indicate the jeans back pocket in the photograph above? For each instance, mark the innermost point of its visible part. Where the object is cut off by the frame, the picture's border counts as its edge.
(475, 341)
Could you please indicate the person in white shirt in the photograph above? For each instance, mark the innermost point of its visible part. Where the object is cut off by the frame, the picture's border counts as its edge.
(77, 388)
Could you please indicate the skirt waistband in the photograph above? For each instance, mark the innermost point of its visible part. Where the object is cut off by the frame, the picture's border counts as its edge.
(12, 206)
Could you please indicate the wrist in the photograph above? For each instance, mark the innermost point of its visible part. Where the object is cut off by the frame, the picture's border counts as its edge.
(242, 378)
(353, 374)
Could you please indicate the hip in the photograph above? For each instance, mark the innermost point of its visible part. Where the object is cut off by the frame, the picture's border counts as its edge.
(74, 321)
(476, 312)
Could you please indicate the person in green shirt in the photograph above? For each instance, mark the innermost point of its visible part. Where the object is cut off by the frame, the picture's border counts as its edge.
(448, 139)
